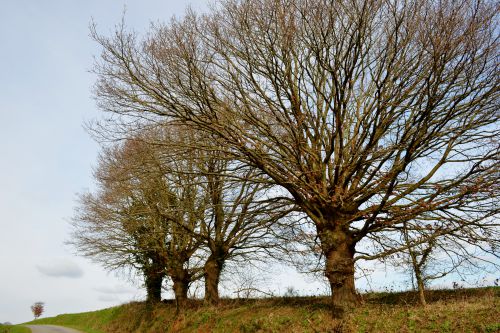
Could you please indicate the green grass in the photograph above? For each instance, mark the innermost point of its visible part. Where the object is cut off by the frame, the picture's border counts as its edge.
(466, 310)
(88, 322)
(14, 329)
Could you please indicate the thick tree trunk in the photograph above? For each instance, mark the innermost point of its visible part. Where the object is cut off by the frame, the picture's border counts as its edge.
(212, 271)
(340, 274)
(338, 248)
(153, 281)
(181, 286)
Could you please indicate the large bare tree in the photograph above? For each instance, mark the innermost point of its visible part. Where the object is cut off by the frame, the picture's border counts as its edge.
(369, 113)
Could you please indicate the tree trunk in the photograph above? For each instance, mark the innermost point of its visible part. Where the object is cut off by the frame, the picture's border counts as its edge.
(338, 248)
(181, 286)
(421, 289)
(153, 281)
(212, 271)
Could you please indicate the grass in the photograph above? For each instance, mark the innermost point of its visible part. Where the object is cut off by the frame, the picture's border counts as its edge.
(467, 310)
(14, 329)
(88, 322)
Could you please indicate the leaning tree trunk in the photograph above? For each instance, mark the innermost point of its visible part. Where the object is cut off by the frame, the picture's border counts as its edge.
(338, 248)
(153, 280)
(421, 287)
(212, 271)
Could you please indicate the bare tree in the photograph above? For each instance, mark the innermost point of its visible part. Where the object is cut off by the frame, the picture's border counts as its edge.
(430, 251)
(420, 257)
(369, 113)
(238, 222)
(137, 217)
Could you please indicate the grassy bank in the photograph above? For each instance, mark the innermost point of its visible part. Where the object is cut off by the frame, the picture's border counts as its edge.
(14, 329)
(466, 310)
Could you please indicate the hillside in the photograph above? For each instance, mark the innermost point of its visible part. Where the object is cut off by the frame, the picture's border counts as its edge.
(464, 310)
(13, 329)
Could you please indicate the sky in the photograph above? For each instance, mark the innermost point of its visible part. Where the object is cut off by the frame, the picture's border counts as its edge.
(46, 156)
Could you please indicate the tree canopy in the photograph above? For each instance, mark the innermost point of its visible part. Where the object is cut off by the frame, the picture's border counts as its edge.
(368, 113)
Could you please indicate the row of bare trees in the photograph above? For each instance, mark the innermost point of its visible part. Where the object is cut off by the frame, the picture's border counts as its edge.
(376, 120)
(167, 205)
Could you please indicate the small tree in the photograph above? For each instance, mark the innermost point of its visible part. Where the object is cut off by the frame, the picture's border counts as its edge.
(430, 250)
(37, 309)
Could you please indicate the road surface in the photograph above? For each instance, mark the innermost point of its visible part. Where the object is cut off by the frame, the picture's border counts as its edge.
(51, 329)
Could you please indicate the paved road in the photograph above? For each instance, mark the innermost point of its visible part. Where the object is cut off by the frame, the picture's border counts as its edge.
(51, 329)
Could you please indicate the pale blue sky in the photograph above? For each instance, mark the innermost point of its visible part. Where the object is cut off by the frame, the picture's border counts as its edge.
(45, 154)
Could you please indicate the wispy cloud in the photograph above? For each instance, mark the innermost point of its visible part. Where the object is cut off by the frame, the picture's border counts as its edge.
(61, 268)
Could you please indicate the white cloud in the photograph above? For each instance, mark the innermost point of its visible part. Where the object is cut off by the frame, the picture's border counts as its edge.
(61, 268)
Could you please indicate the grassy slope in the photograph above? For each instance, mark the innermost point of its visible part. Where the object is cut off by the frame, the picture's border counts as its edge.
(14, 329)
(468, 310)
